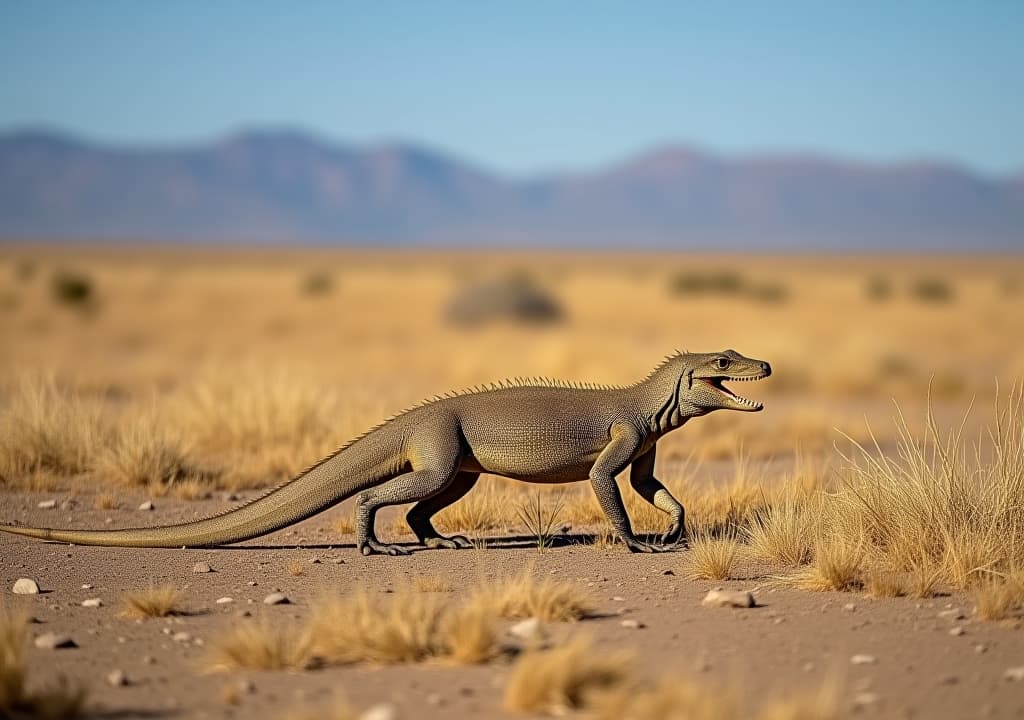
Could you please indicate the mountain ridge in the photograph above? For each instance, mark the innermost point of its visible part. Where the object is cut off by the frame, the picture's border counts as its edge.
(285, 186)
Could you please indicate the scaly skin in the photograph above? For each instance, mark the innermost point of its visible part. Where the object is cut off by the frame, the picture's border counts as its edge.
(537, 431)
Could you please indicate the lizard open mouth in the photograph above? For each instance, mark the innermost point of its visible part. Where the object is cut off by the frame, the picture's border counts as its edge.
(718, 383)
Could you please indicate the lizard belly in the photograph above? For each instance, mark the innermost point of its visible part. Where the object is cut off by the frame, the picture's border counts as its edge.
(535, 457)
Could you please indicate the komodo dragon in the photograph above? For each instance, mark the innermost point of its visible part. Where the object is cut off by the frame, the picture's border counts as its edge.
(539, 431)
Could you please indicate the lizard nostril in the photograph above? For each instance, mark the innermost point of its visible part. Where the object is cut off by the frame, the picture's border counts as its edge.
(766, 368)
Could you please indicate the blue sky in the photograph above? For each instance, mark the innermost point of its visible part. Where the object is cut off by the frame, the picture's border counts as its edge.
(528, 87)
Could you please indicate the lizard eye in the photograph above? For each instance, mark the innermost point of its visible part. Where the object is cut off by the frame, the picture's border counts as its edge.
(721, 363)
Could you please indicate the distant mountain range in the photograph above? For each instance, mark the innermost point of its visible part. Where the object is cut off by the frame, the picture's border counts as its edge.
(288, 187)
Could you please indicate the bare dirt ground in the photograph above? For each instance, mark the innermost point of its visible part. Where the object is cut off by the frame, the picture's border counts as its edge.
(793, 640)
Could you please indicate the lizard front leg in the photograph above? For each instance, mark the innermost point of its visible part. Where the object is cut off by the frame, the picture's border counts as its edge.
(641, 477)
(625, 440)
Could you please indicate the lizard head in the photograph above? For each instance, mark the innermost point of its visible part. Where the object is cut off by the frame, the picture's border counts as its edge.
(703, 380)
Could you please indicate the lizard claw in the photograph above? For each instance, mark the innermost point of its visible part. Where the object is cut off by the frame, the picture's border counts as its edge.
(372, 547)
(450, 543)
(637, 546)
(674, 537)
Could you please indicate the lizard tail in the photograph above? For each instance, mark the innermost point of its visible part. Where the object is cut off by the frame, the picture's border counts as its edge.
(312, 491)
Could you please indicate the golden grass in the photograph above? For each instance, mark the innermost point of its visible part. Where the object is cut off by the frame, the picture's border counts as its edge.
(47, 428)
(837, 566)
(59, 701)
(153, 602)
(142, 454)
(405, 627)
(782, 532)
(883, 583)
(344, 525)
(678, 699)
(998, 597)
(710, 558)
(296, 568)
(489, 506)
(564, 678)
(105, 501)
(259, 645)
(525, 595)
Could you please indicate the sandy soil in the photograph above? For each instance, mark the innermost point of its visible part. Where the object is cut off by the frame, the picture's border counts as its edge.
(792, 642)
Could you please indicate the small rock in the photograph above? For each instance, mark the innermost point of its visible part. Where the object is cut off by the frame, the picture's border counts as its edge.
(435, 699)
(981, 648)
(52, 641)
(866, 698)
(850, 607)
(1014, 674)
(314, 560)
(667, 572)
(952, 614)
(618, 598)
(181, 637)
(383, 711)
(957, 631)
(25, 586)
(148, 505)
(224, 600)
(720, 597)
(251, 583)
(276, 599)
(528, 629)
(47, 504)
(632, 624)
(148, 660)
(202, 567)
(92, 602)
(863, 660)
(117, 678)
(229, 497)
(87, 586)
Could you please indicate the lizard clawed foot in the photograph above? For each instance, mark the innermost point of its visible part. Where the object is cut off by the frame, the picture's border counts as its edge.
(638, 546)
(675, 537)
(372, 547)
(454, 542)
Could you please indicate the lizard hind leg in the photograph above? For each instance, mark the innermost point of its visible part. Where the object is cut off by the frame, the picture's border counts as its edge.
(406, 488)
(419, 516)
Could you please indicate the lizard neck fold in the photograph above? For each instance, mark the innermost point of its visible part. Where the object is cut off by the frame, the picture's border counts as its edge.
(663, 404)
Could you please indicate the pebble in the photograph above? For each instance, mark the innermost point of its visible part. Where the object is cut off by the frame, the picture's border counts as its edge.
(383, 711)
(720, 597)
(148, 505)
(224, 600)
(25, 586)
(117, 678)
(53, 641)
(314, 560)
(1014, 674)
(632, 624)
(181, 637)
(953, 614)
(850, 607)
(528, 629)
(202, 567)
(47, 504)
(980, 648)
(92, 602)
(957, 631)
(863, 660)
(148, 660)
(435, 699)
(276, 599)
(618, 598)
(866, 698)
(87, 586)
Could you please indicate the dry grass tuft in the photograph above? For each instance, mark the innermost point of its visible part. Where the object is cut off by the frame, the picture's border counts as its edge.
(152, 602)
(836, 566)
(710, 558)
(296, 568)
(259, 646)
(105, 501)
(565, 678)
(884, 583)
(144, 453)
(44, 428)
(60, 701)
(782, 532)
(524, 596)
(469, 635)
(998, 597)
(668, 700)
(489, 506)
(407, 627)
